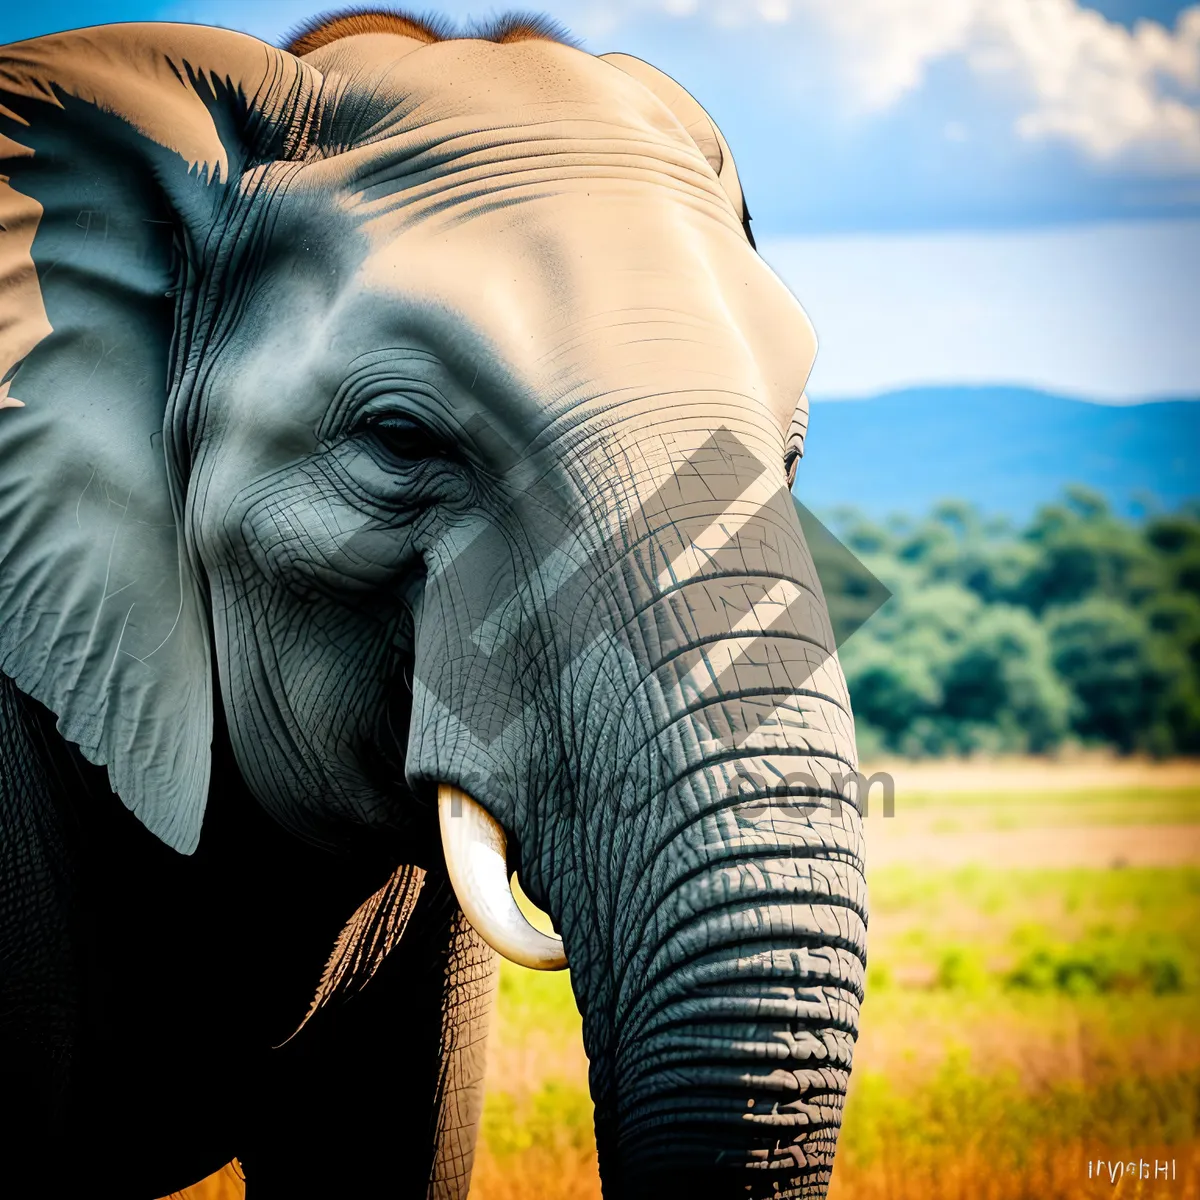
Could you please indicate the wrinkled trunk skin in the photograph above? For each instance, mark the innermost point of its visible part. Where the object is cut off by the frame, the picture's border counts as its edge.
(736, 1009)
(715, 908)
(739, 966)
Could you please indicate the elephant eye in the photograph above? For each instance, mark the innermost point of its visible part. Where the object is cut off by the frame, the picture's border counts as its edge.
(407, 440)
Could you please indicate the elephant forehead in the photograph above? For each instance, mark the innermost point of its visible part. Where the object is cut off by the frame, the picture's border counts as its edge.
(472, 120)
(483, 85)
(589, 292)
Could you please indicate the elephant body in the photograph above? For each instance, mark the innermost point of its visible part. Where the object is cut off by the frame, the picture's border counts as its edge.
(150, 997)
(396, 434)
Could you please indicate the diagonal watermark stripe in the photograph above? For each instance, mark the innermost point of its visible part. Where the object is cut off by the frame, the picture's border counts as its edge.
(762, 616)
(734, 590)
(719, 534)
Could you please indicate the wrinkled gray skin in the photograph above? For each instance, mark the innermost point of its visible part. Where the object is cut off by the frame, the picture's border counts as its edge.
(378, 354)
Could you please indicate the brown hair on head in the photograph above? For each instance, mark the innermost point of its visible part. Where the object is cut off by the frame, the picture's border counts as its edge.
(513, 27)
(331, 27)
(522, 27)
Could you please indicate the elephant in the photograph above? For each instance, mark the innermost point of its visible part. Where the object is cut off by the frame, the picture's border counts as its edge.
(397, 431)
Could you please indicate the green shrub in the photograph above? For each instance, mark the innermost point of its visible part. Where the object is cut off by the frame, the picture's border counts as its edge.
(556, 1117)
(1079, 970)
(1083, 625)
(959, 970)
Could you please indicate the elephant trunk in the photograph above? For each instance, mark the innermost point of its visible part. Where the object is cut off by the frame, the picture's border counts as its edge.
(737, 1012)
(670, 769)
(722, 1027)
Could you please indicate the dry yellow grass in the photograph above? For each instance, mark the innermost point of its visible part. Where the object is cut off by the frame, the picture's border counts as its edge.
(536, 1175)
(1097, 771)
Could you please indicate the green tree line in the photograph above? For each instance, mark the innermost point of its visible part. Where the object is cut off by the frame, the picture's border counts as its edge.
(1081, 625)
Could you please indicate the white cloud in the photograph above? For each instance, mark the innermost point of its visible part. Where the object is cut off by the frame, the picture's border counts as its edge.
(886, 45)
(1117, 94)
(1107, 89)
(775, 11)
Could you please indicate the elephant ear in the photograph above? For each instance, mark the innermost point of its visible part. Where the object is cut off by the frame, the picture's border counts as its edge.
(699, 125)
(119, 145)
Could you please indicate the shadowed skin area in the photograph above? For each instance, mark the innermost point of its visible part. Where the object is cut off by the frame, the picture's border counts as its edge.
(417, 414)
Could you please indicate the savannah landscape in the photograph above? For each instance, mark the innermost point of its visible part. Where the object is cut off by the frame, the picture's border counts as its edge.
(1031, 1001)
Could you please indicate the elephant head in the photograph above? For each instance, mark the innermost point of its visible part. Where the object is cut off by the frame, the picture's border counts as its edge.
(426, 396)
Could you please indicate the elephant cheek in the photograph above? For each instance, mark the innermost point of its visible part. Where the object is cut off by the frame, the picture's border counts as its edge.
(477, 707)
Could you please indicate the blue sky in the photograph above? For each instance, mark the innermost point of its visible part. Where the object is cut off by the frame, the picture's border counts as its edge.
(1020, 179)
(1107, 312)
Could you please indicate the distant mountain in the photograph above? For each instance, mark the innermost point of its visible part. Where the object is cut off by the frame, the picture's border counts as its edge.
(1006, 449)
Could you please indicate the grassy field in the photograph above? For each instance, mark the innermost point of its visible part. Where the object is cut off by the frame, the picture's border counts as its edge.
(1033, 1001)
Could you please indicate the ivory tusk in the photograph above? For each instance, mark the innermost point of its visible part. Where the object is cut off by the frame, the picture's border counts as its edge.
(476, 858)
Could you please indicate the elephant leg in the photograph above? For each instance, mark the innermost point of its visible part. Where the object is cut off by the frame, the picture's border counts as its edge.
(345, 1107)
(471, 979)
